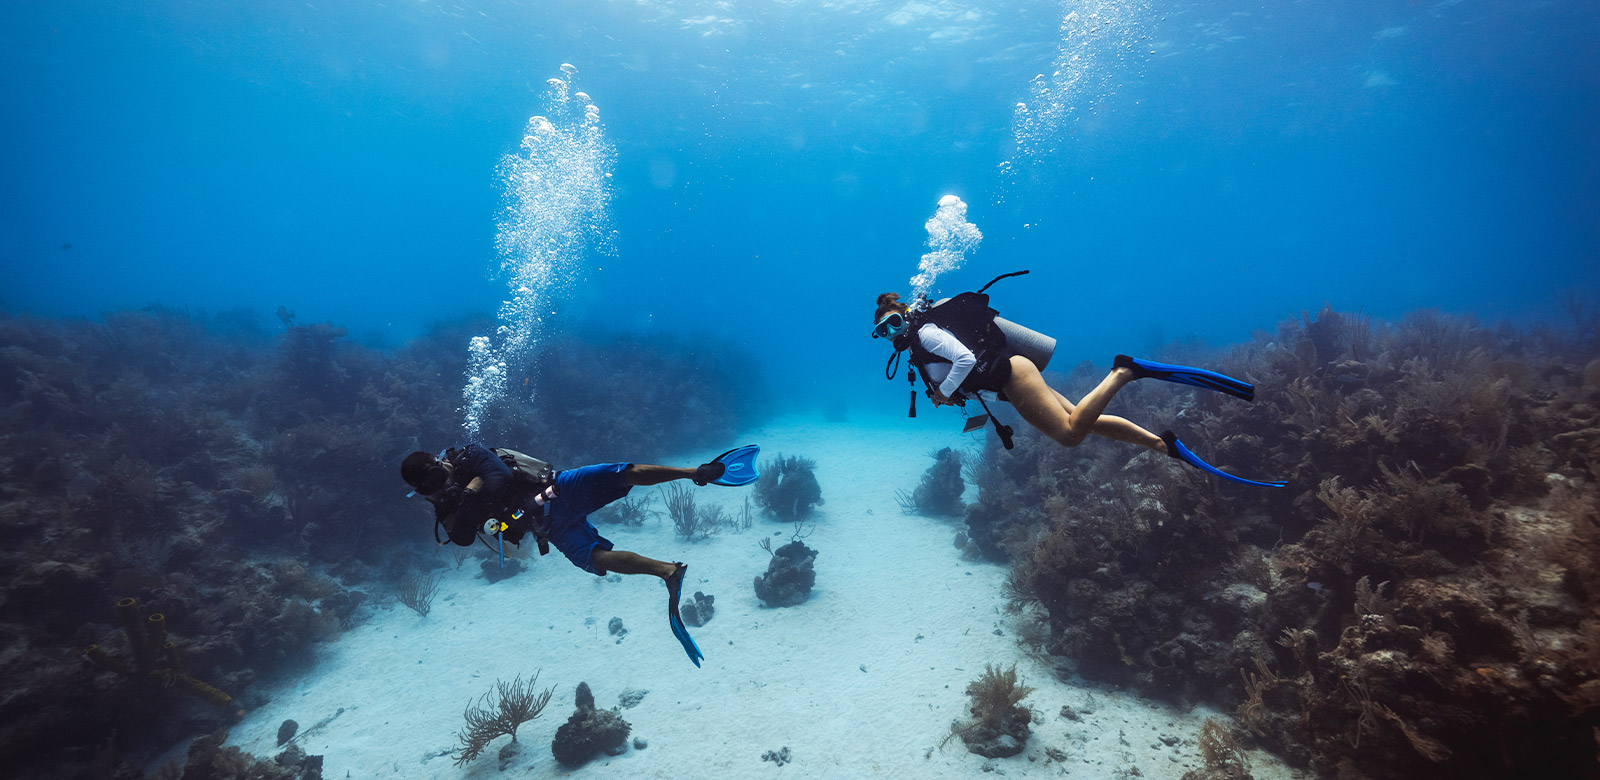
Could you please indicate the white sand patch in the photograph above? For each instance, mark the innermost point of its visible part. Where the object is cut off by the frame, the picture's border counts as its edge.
(862, 681)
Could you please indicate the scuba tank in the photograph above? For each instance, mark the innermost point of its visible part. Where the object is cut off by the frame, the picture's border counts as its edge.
(1031, 344)
(1019, 340)
(1027, 342)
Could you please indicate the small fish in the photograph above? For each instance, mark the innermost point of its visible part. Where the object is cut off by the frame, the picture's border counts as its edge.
(1316, 586)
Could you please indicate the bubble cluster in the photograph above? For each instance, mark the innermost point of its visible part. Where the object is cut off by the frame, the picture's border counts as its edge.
(950, 238)
(1096, 40)
(485, 381)
(557, 196)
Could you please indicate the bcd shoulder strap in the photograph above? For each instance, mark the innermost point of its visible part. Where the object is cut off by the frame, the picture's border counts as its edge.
(970, 319)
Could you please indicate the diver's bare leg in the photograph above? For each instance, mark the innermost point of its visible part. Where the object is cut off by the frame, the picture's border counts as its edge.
(644, 474)
(624, 562)
(1118, 428)
(1038, 404)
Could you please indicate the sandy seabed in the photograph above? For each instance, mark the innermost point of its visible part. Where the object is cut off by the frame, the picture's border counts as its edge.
(861, 681)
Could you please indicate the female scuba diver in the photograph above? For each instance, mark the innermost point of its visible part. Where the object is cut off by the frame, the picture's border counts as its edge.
(961, 350)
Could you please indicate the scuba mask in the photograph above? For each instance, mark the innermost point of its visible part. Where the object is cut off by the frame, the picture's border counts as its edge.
(889, 326)
(437, 479)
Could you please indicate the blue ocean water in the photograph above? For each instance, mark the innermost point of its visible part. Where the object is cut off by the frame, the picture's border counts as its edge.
(1179, 171)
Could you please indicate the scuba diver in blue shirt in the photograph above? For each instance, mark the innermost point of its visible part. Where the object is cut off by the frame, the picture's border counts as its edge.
(961, 348)
(479, 492)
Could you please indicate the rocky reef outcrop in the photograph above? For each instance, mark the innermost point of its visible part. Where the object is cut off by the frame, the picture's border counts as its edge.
(790, 575)
(589, 732)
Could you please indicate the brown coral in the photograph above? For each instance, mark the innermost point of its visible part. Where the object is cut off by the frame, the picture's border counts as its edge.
(499, 713)
(1431, 576)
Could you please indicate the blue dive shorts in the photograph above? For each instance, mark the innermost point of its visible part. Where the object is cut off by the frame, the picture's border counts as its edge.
(578, 493)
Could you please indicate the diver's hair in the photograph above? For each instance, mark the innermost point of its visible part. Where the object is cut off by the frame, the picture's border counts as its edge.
(416, 468)
(888, 302)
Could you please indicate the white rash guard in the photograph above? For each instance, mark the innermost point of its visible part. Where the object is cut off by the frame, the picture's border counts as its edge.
(942, 343)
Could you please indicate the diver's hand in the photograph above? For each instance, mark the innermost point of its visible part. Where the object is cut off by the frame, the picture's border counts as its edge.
(938, 398)
(449, 498)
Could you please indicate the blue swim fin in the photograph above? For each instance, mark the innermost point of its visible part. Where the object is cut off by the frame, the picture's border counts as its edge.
(674, 589)
(1187, 375)
(684, 639)
(738, 467)
(1176, 449)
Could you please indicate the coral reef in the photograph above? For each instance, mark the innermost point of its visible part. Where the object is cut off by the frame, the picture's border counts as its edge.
(513, 704)
(417, 591)
(209, 759)
(240, 479)
(589, 731)
(286, 731)
(154, 658)
(1422, 601)
(698, 611)
(693, 523)
(671, 395)
(999, 724)
(939, 492)
(1219, 749)
(788, 489)
(790, 575)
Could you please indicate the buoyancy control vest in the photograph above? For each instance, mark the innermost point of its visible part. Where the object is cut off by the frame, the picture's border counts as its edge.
(528, 476)
(969, 317)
